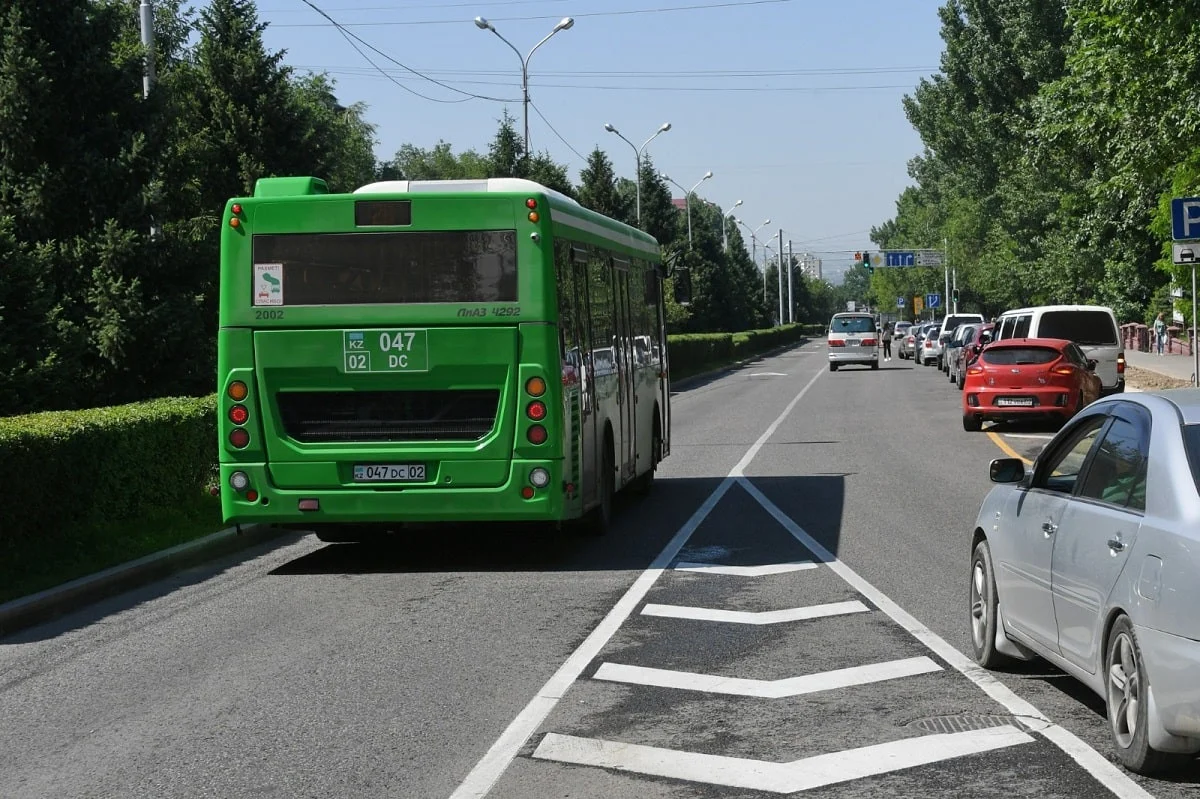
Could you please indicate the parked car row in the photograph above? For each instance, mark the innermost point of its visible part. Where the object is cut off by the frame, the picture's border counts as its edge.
(1045, 363)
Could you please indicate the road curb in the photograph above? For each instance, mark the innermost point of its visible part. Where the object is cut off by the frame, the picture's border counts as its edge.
(692, 381)
(45, 605)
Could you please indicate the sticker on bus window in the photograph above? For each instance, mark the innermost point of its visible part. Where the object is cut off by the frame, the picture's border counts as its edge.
(268, 284)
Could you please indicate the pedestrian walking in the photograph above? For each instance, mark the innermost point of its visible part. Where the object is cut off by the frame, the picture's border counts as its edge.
(887, 344)
(1160, 333)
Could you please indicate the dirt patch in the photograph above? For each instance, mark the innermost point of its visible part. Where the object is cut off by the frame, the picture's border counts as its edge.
(1147, 380)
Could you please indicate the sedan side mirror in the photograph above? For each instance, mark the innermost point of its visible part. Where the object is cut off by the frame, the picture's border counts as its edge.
(1007, 470)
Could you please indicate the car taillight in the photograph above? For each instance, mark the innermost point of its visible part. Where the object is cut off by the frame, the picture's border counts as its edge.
(836, 343)
(975, 370)
(870, 342)
(928, 344)
(1066, 371)
(1121, 364)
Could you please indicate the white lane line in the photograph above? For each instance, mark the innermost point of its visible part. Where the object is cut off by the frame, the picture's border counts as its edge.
(746, 571)
(768, 689)
(760, 617)
(1105, 772)
(768, 374)
(760, 775)
(489, 768)
(1037, 436)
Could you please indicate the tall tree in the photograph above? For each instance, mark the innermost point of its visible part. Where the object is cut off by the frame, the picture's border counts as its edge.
(598, 187)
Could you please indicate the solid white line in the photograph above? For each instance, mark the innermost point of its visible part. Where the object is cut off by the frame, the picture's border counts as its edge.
(746, 571)
(759, 775)
(761, 617)
(768, 374)
(1038, 436)
(768, 689)
(1092, 761)
(485, 773)
(739, 469)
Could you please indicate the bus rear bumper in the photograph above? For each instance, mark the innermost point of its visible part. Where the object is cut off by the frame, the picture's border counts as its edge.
(367, 505)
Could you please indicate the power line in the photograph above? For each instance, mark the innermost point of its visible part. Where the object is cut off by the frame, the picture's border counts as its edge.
(421, 6)
(376, 50)
(700, 74)
(710, 6)
(537, 111)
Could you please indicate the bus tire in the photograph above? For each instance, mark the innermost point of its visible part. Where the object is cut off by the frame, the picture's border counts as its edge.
(600, 517)
(645, 481)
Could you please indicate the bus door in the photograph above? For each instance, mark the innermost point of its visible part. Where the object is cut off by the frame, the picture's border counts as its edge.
(626, 369)
(587, 388)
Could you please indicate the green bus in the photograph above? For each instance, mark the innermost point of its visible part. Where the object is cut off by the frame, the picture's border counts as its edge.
(426, 351)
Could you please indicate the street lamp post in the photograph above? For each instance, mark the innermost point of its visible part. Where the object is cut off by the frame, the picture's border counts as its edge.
(724, 236)
(687, 199)
(564, 24)
(637, 152)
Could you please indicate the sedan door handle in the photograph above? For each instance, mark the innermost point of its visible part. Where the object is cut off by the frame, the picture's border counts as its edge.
(1049, 527)
(1116, 544)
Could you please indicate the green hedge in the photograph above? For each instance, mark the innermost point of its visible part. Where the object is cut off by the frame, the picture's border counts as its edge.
(693, 353)
(66, 472)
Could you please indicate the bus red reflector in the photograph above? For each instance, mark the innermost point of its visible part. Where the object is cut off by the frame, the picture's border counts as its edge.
(309, 504)
(527, 492)
(252, 495)
(239, 438)
(536, 434)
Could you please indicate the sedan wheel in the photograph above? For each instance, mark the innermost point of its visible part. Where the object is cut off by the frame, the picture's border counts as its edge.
(984, 604)
(1127, 690)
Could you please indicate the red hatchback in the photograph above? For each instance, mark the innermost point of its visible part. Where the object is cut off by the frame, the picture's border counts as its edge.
(1021, 378)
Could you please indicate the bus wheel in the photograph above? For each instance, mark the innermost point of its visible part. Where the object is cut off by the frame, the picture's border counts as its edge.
(645, 481)
(600, 518)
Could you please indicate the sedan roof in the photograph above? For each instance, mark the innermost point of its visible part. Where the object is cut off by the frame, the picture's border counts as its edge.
(1187, 400)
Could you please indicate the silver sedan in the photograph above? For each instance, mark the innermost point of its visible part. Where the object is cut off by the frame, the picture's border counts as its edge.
(1091, 560)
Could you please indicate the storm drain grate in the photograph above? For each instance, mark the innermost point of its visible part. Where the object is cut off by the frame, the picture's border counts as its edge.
(964, 722)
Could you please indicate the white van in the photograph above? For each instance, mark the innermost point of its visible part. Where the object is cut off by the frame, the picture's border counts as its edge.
(853, 340)
(1092, 327)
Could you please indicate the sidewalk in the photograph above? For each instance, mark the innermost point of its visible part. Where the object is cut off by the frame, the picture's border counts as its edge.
(1179, 367)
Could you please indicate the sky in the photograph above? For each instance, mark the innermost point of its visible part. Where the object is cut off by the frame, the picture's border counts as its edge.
(794, 105)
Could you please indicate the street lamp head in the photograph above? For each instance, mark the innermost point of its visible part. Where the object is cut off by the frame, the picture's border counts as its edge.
(665, 127)
(609, 128)
(707, 175)
(766, 221)
(565, 24)
(736, 204)
(664, 176)
(483, 24)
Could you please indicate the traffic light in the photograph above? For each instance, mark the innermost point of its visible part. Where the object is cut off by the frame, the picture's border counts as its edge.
(954, 296)
(867, 263)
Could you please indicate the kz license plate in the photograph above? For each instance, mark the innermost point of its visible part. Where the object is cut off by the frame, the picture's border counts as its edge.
(1021, 401)
(391, 351)
(389, 473)
(851, 342)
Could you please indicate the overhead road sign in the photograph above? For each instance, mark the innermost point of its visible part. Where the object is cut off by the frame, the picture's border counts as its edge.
(899, 258)
(1185, 218)
(930, 258)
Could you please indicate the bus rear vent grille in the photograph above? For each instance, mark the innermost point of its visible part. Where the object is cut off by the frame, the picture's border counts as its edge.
(335, 416)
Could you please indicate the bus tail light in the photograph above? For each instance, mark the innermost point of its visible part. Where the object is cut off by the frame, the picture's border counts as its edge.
(239, 438)
(536, 410)
(539, 477)
(536, 434)
(237, 391)
(531, 203)
(240, 481)
(238, 414)
(535, 386)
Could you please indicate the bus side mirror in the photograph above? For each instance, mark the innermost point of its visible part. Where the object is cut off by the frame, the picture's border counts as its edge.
(682, 279)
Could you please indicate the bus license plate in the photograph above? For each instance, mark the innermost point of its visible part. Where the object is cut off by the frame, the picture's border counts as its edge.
(389, 472)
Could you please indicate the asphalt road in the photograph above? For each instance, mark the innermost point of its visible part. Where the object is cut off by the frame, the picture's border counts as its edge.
(786, 612)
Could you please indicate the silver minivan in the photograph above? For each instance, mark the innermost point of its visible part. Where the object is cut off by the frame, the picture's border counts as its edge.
(1092, 327)
(853, 339)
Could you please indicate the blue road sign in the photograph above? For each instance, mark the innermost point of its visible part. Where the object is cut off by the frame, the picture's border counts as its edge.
(1185, 218)
(933, 300)
(899, 259)
(899, 302)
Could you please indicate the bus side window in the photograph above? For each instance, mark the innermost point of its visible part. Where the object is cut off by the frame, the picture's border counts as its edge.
(600, 305)
(568, 316)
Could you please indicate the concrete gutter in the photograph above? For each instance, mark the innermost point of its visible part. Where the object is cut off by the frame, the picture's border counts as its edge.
(59, 600)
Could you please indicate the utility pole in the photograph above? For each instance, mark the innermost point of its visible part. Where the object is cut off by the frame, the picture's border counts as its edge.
(781, 316)
(146, 14)
(946, 261)
(791, 303)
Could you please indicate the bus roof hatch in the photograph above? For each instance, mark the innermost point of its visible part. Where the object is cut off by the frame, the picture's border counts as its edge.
(289, 187)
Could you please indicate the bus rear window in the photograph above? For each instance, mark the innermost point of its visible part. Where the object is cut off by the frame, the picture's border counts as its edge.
(392, 268)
